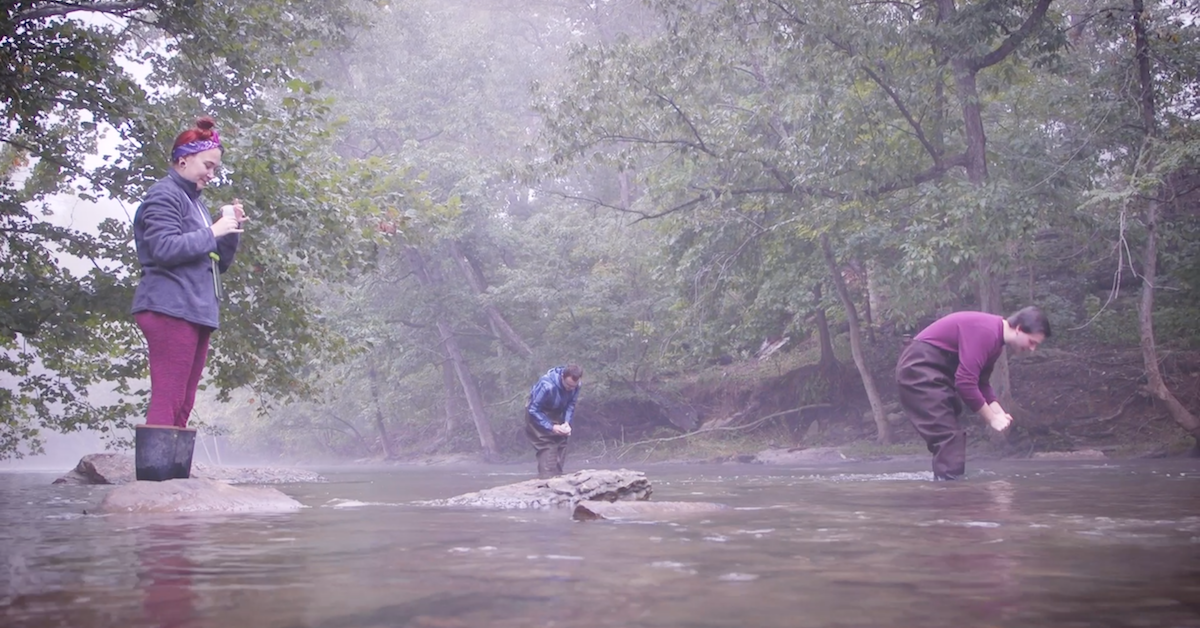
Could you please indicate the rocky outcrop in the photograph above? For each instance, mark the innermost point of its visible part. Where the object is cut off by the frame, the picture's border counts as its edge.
(194, 495)
(100, 469)
(563, 491)
(118, 469)
(641, 510)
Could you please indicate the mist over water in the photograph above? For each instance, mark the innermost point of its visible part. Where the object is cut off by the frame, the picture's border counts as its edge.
(61, 452)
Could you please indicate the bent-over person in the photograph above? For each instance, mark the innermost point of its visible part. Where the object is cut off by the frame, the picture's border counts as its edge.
(950, 363)
(548, 417)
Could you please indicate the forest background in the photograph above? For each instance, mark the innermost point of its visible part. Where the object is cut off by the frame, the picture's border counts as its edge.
(731, 213)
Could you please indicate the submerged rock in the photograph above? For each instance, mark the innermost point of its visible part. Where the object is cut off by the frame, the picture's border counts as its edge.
(1079, 454)
(118, 469)
(565, 490)
(195, 495)
(641, 510)
(801, 456)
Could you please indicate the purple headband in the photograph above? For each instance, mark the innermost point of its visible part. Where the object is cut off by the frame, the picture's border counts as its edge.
(196, 146)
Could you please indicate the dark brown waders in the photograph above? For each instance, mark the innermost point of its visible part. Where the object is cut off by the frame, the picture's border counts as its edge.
(925, 377)
(551, 448)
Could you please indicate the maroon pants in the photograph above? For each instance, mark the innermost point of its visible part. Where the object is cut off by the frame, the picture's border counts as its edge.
(178, 350)
(925, 379)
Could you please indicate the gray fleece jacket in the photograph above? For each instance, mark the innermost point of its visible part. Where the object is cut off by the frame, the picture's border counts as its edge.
(173, 236)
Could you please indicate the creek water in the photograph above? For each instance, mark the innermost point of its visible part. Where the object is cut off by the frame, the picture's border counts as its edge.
(1018, 544)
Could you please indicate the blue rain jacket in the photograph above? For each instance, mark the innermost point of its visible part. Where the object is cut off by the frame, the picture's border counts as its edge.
(548, 398)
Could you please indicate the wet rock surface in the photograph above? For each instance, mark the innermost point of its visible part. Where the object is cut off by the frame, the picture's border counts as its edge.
(1080, 454)
(194, 495)
(800, 456)
(563, 491)
(641, 510)
(118, 469)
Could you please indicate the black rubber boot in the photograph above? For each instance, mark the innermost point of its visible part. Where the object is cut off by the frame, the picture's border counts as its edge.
(154, 452)
(185, 444)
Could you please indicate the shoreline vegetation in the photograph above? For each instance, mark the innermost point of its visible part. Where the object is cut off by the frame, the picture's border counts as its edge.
(1064, 406)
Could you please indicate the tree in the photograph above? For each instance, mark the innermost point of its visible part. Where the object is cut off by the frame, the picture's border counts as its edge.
(1156, 194)
(836, 111)
(471, 299)
(80, 76)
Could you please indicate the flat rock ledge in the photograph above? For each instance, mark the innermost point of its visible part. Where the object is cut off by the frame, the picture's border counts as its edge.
(194, 495)
(562, 491)
(800, 456)
(1078, 454)
(118, 469)
(641, 511)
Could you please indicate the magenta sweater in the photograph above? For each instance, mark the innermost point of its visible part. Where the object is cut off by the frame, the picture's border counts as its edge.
(978, 340)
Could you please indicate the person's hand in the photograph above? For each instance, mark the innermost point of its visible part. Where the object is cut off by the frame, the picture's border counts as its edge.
(997, 417)
(235, 209)
(561, 429)
(239, 212)
(226, 225)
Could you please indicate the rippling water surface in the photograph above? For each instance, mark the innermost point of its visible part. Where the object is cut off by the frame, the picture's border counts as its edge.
(1020, 544)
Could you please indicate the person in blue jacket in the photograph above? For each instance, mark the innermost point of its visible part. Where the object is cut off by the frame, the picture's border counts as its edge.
(548, 417)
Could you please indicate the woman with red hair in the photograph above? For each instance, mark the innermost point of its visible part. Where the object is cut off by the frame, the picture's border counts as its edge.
(182, 251)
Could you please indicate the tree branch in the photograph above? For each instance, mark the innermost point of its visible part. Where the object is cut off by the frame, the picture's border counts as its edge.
(66, 8)
(626, 449)
(929, 174)
(686, 120)
(50, 158)
(1010, 44)
(916, 126)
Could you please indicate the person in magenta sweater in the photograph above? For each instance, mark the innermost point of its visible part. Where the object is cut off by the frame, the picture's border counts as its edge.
(950, 363)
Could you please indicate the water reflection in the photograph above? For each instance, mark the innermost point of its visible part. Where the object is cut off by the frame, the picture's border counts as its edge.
(165, 573)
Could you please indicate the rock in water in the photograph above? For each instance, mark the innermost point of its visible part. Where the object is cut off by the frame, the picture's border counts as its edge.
(1079, 454)
(641, 511)
(196, 495)
(800, 456)
(118, 469)
(100, 469)
(565, 490)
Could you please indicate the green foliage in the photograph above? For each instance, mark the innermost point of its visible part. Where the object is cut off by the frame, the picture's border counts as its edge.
(121, 81)
(637, 187)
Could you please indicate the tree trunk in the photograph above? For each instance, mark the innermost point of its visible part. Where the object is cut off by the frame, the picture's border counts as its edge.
(990, 301)
(1155, 384)
(499, 324)
(453, 407)
(828, 359)
(474, 402)
(884, 435)
(373, 378)
(868, 317)
(964, 70)
(362, 440)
